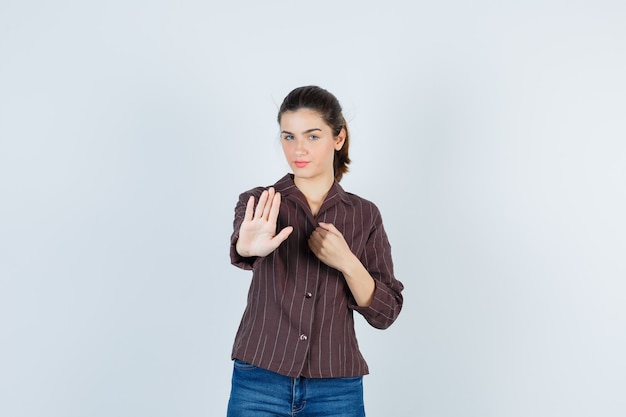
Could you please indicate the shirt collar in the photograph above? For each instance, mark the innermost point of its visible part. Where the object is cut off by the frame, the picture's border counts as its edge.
(285, 186)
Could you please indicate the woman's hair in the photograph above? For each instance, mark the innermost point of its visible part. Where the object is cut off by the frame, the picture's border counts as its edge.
(317, 99)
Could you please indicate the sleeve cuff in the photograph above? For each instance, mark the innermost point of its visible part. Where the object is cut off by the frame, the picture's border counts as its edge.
(381, 312)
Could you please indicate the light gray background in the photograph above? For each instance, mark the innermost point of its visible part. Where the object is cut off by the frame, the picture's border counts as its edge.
(490, 134)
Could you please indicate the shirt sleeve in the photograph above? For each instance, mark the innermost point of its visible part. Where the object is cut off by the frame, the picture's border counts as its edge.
(387, 301)
(236, 259)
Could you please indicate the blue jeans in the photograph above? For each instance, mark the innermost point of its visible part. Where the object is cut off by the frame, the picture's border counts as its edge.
(258, 392)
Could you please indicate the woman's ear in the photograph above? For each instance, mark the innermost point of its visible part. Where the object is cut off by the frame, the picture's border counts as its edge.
(340, 140)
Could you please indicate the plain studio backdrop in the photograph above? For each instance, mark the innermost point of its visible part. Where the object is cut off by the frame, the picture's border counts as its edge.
(490, 134)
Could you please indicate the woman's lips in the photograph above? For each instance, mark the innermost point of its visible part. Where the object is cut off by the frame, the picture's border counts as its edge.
(301, 164)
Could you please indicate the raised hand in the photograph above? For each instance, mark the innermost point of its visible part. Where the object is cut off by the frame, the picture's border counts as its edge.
(257, 234)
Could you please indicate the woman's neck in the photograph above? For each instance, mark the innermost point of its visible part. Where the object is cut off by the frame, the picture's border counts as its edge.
(315, 190)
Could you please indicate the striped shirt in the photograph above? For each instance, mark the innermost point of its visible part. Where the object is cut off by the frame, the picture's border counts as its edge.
(299, 315)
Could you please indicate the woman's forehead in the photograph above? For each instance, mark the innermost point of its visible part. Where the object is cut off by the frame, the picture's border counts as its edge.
(302, 119)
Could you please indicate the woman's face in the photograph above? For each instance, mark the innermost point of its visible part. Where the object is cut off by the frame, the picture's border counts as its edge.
(309, 144)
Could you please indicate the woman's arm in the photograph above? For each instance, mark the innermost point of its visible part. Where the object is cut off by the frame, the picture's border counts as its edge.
(328, 244)
(376, 291)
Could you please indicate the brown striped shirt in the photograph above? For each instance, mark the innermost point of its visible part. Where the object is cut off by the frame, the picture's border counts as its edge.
(298, 320)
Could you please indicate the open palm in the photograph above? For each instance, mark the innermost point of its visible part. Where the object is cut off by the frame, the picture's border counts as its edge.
(257, 235)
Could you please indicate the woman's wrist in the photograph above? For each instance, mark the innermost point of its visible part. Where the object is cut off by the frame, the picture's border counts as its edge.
(241, 251)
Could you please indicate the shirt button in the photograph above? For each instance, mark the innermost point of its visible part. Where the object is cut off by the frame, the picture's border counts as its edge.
(308, 295)
(303, 337)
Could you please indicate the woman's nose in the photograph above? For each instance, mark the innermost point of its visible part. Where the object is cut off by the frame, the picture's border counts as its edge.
(300, 147)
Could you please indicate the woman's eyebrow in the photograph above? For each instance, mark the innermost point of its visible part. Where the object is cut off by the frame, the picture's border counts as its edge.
(306, 131)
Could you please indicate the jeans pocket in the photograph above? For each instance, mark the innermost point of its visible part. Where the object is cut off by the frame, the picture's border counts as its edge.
(244, 366)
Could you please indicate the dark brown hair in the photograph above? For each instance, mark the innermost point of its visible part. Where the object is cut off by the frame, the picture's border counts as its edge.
(317, 99)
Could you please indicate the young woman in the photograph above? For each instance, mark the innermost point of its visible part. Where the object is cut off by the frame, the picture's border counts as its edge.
(317, 253)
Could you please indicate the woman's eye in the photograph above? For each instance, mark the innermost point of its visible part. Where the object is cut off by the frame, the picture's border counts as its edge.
(288, 137)
(313, 137)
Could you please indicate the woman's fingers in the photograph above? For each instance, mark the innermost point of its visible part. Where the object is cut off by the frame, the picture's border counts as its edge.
(328, 244)
(249, 209)
(316, 240)
(284, 234)
(330, 228)
(275, 208)
(268, 203)
(258, 213)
